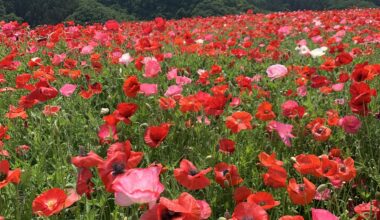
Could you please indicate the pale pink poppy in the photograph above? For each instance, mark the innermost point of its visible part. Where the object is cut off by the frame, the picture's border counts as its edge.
(139, 185)
(182, 80)
(302, 42)
(277, 71)
(152, 68)
(338, 87)
(168, 55)
(339, 101)
(302, 91)
(283, 130)
(87, 50)
(172, 74)
(317, 39)
(173, 90)
(285, 30)
(290, 109)
(148, 89)
(68, 89)
(322, 214)
(125, 59)
(350, 123)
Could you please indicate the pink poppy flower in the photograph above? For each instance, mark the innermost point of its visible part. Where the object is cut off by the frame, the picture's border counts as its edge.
(277, 71)
(351, 124)
(317, 39)
(87, 50)
(235, 102)
(182, 80)
(173, 90)
(172, 74)
(283, 130)
(139, 185)
(148, 89)
(58, 58)
(302, 91)
(338, 87)
(67, 90)
(323, 195)
(152, 68)
(107, 133)
(322, 214)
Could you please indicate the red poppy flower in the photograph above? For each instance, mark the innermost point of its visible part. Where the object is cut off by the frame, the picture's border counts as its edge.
(87, 161)
(167, 103)
(227, 175)
(226, 146)
(50, 110)
(328, 167)
(275, 177)
(246, 210)
(343, 59)
(241, 194)
(119, 159)
(131, 86)
(307, 164)
(347, 170)
(264, 112)
(8, 176)
(269, 160)
(214, 105)
(122, 113)
(263, 199)
(155, 135)
(301, 194)
(239, 121)
(84, 183)
(190, 104)
(369, 210)
(189, 176)
(185, 207)
(321, 132)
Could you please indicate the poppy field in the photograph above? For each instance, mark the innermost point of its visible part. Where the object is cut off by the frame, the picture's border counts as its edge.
(251, 116)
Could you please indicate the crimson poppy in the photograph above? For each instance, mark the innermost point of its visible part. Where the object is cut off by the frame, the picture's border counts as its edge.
(131, 86)
(190, 177)
(241, 194)
(226, 146)
(155, 135)
(289, 217)
(84, 183)
(301, 194)
(227, 174)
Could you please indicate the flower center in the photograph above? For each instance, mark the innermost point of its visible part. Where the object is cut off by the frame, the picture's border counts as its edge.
(225, 172)
(117, 168)
(169, 215)
(343, 169)
(193, 172)
(262, 203)
(3, 176)
(51, 204)
(301, 188)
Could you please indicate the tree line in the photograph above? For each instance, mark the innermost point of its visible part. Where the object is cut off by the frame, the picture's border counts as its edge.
(37, 12)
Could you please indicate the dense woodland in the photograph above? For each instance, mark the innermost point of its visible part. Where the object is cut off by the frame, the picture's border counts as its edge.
(37, 12)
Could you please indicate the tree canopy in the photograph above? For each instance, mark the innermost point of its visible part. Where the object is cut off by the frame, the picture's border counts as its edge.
(37, 12)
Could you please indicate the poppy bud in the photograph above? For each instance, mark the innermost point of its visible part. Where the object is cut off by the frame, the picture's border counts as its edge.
(222, 218)
(227, 215)
(322, 187)
(104, 111)
(226, 183)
